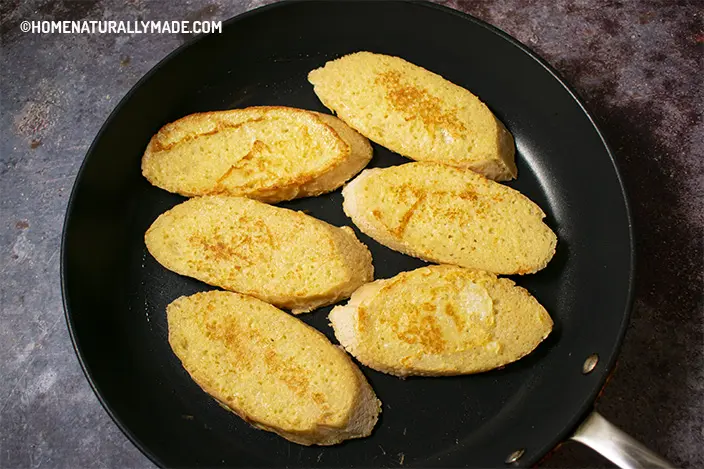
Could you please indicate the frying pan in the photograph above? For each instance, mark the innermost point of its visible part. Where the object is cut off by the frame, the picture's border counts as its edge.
(115, 293)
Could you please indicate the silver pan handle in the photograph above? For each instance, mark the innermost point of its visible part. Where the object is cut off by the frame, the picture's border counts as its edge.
(608, 440)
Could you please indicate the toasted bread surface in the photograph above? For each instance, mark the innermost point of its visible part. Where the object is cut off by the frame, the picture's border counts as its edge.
(450, 215)
(440, 320)
(415, 113)
(281, 256)
(268, 153)
(271, 369)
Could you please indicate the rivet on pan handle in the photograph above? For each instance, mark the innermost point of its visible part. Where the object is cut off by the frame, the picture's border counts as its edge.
(515, 456)
(608, 440)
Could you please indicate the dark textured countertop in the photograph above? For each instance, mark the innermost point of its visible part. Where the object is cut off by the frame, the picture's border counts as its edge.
(638, 66)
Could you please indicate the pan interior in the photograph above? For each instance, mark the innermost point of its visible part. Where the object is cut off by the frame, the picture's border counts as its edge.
(116, 293)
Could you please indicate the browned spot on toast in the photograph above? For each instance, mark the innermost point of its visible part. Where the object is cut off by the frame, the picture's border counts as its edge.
(293, 376)
(403, 224)
(319, 398)
(416, 103)
(423, 330)
(468, 194)
(456, 318)
(242, 249)
(225, 176)
(434, 200)
(362, 318)
(322, 402)
(237, 338)
(390, 284)
(264, 230)
(219, 250)
(231, 335)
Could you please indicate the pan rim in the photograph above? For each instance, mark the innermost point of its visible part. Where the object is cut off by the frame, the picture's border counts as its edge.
(609, 361)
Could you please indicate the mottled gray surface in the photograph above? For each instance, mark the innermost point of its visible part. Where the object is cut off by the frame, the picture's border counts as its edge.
(638, 65)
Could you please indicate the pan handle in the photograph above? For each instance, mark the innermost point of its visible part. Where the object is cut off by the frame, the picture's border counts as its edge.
(608, 440)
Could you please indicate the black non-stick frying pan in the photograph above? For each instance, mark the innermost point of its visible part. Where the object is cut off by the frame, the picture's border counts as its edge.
(115, 293)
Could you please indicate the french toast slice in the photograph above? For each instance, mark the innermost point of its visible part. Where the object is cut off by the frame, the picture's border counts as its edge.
(450, 215)
(268, 153)
(281, 256)
(416, 113)
(440, 320)
(274, 371)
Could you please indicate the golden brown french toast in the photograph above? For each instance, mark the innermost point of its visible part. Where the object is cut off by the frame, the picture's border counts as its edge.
(271, 369)
(281, 256)
(415, 113)
(268, 153)
(440, 320)
(450, 215)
